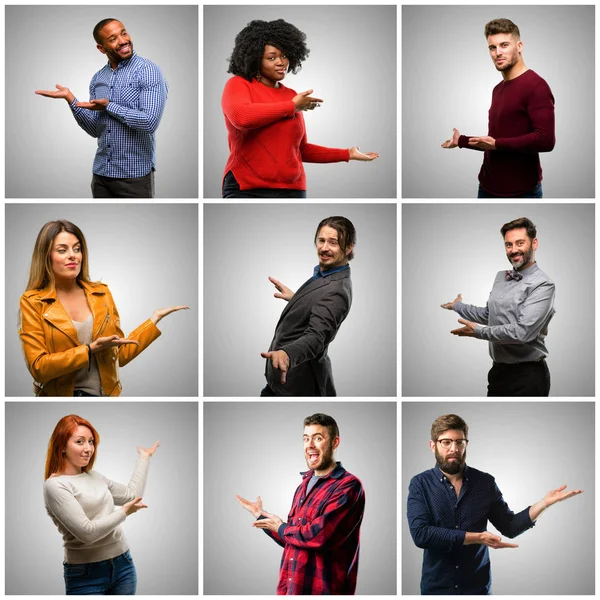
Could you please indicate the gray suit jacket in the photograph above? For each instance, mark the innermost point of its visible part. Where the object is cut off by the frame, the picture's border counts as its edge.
(307, 325)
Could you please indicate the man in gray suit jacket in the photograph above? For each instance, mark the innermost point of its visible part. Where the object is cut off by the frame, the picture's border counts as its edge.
(297, 360)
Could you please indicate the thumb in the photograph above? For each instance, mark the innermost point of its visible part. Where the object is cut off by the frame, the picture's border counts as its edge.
(462, 321)
(307, 92)
(59, 87)
(277, 295)
(459, 297)
(266, 354)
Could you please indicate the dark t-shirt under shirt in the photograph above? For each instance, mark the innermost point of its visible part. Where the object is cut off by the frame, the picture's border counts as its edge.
(521, 120)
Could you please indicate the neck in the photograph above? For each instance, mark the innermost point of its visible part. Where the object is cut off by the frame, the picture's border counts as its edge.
(329, 268)
(72, 470)
(526, 266)
(268, 82)
(517, 69)
(322, 472)
(66, 286)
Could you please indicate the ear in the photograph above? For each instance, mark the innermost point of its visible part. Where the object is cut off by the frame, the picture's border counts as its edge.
(432, 446)
(336, 442)
(520, 46)
(349, 249)
(534, 244)
(101, 48)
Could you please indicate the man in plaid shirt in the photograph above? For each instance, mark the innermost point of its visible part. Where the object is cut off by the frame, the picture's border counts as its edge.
(127, 99)
(321, 536)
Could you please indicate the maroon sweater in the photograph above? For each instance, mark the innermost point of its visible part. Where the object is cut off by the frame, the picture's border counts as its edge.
(521, 120)
(267, 137)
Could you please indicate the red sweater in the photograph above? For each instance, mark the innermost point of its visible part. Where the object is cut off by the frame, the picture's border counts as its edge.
(521, 120)
(267, 137)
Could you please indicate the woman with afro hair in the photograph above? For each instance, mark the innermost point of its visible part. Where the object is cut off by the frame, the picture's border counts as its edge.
(266, 130)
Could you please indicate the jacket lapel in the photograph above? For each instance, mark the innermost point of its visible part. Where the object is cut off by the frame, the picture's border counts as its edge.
(57, 316)
(96, 299)
(306, 288)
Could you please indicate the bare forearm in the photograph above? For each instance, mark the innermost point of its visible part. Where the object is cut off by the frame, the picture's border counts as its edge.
(535, 510)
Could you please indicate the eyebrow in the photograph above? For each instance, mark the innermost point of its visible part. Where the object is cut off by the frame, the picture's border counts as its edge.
(313, 435)
(66, 245)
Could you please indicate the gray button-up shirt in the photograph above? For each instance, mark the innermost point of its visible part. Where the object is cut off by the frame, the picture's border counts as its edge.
(516, 316)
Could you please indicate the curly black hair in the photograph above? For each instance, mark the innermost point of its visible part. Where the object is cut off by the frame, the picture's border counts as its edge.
(251, 41)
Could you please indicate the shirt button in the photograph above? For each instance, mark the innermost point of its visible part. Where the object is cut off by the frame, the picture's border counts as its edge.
(456, 566)
(456, 527)
(455, 586)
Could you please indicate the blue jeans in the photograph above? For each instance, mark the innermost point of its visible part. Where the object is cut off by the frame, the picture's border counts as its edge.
(105, 578)
(536, 192)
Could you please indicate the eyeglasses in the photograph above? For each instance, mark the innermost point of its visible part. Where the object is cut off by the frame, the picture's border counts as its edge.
(447, 443)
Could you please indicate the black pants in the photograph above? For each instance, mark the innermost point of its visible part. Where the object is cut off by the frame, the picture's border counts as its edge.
(267, 391)
(231, 189)
(520, 379)
(130, 187)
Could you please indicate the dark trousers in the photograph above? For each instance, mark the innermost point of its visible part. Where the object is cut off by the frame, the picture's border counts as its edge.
(535, 192)
(267, 391)
(130, 187)
(231, 189)
(520, 379)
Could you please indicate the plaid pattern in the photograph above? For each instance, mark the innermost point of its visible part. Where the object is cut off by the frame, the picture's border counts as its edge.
(321, 537)
(137, 93)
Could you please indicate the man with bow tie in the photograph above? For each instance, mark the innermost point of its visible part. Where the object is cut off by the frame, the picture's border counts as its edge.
(297, 361)
(515, 318)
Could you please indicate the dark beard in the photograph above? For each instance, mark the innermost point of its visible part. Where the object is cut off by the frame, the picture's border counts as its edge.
(450, 467)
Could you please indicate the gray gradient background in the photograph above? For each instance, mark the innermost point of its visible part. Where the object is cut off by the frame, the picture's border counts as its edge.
(530, 448)
(147, 254)
(351, 66)
(244, 244)
(47, 154)
(448, 78)
(454, 248)
(163, 538)
(255, 449)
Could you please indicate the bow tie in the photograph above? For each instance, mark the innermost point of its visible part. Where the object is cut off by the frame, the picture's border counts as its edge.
(514, 274)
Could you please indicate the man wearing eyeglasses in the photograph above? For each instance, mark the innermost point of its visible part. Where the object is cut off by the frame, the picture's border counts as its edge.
(515, 319)
(448, 509)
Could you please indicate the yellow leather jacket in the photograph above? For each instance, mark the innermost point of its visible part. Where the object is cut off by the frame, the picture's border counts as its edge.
(53, 351)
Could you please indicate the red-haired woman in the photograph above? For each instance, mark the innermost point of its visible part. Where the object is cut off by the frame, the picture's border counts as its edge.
(70, 328)
(81, 502)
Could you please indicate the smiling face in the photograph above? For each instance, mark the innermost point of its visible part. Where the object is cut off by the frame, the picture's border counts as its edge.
(273, 66)
(318, 449)
(520, 250)
(66, 256)
(505, 50)
(116, 43)
(329, 251)
(79, 450)
(450, 460)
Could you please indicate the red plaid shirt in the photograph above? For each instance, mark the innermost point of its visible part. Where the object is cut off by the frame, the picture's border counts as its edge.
(321, 537)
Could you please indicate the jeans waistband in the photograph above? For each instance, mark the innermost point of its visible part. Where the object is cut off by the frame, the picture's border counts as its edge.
(100, 562)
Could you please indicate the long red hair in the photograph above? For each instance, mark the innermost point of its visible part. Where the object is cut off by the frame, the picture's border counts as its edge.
(55, 459)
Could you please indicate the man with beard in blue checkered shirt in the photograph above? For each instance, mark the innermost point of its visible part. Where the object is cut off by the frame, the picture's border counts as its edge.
(127, 99)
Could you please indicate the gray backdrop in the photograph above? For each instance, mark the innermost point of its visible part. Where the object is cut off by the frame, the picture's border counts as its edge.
(255, 449)
(148, 256)
(163, 538)
(448, 78)
(348, 45)
(47, 154)
(530, 448)
(454, 248)
(244, 244)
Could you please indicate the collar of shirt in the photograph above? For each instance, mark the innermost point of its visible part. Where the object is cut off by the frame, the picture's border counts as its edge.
(336, 473)
(318, 273)
(529, 270)
(439, 475)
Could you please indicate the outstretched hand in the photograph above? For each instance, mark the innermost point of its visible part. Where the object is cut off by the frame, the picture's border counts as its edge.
(99, 104)
(284, 292)
(484, 142)
(110, 341)
(304, 101)
(133, 506)
(558, 495)
(148, 452)
(356, 154)
(255, 508)
(494, 541)
(280, 360)
(271, 522)
(61, 92)
(453, 141)
(450, 305)
(468, 330)
(161, 313)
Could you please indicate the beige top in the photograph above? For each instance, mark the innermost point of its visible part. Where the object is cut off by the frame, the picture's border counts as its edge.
(83, 508)
(87, 380)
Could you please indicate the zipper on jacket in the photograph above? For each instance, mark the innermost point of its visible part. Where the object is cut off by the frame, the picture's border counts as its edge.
(103, 326)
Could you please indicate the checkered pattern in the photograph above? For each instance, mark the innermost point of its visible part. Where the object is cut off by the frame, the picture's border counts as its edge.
(321, 537)
(438, 521)
(137, 93)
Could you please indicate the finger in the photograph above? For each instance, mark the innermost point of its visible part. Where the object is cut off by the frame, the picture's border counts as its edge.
(315, 100)
(266, 354)
(561, 488)
(277, 295)
(276, 283)
(307, 92)
(506, 545)
(463, 321)
(264, 513)
(125, 342)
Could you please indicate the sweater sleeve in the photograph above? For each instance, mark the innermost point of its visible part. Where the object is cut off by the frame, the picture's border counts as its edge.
(244, 114)
(540, 109)
(135, 488)
(321, 154)
(463, 142)
(61, 502)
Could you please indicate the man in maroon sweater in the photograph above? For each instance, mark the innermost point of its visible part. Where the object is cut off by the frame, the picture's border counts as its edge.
(521, 121)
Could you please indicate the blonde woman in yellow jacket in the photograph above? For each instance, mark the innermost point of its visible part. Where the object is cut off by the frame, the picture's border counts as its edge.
(70, 328)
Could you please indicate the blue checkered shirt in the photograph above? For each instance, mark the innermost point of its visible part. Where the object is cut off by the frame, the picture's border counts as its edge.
(137, 93)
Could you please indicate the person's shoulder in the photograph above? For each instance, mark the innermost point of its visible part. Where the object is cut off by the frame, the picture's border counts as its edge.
(542, 278)
(95, 287)
(237, 82)
(289, 90)
(478, 475)
(423, 475)
(32, 294)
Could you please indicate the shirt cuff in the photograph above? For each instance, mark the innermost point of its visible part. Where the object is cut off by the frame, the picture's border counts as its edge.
(281, 530)
(478, 333)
